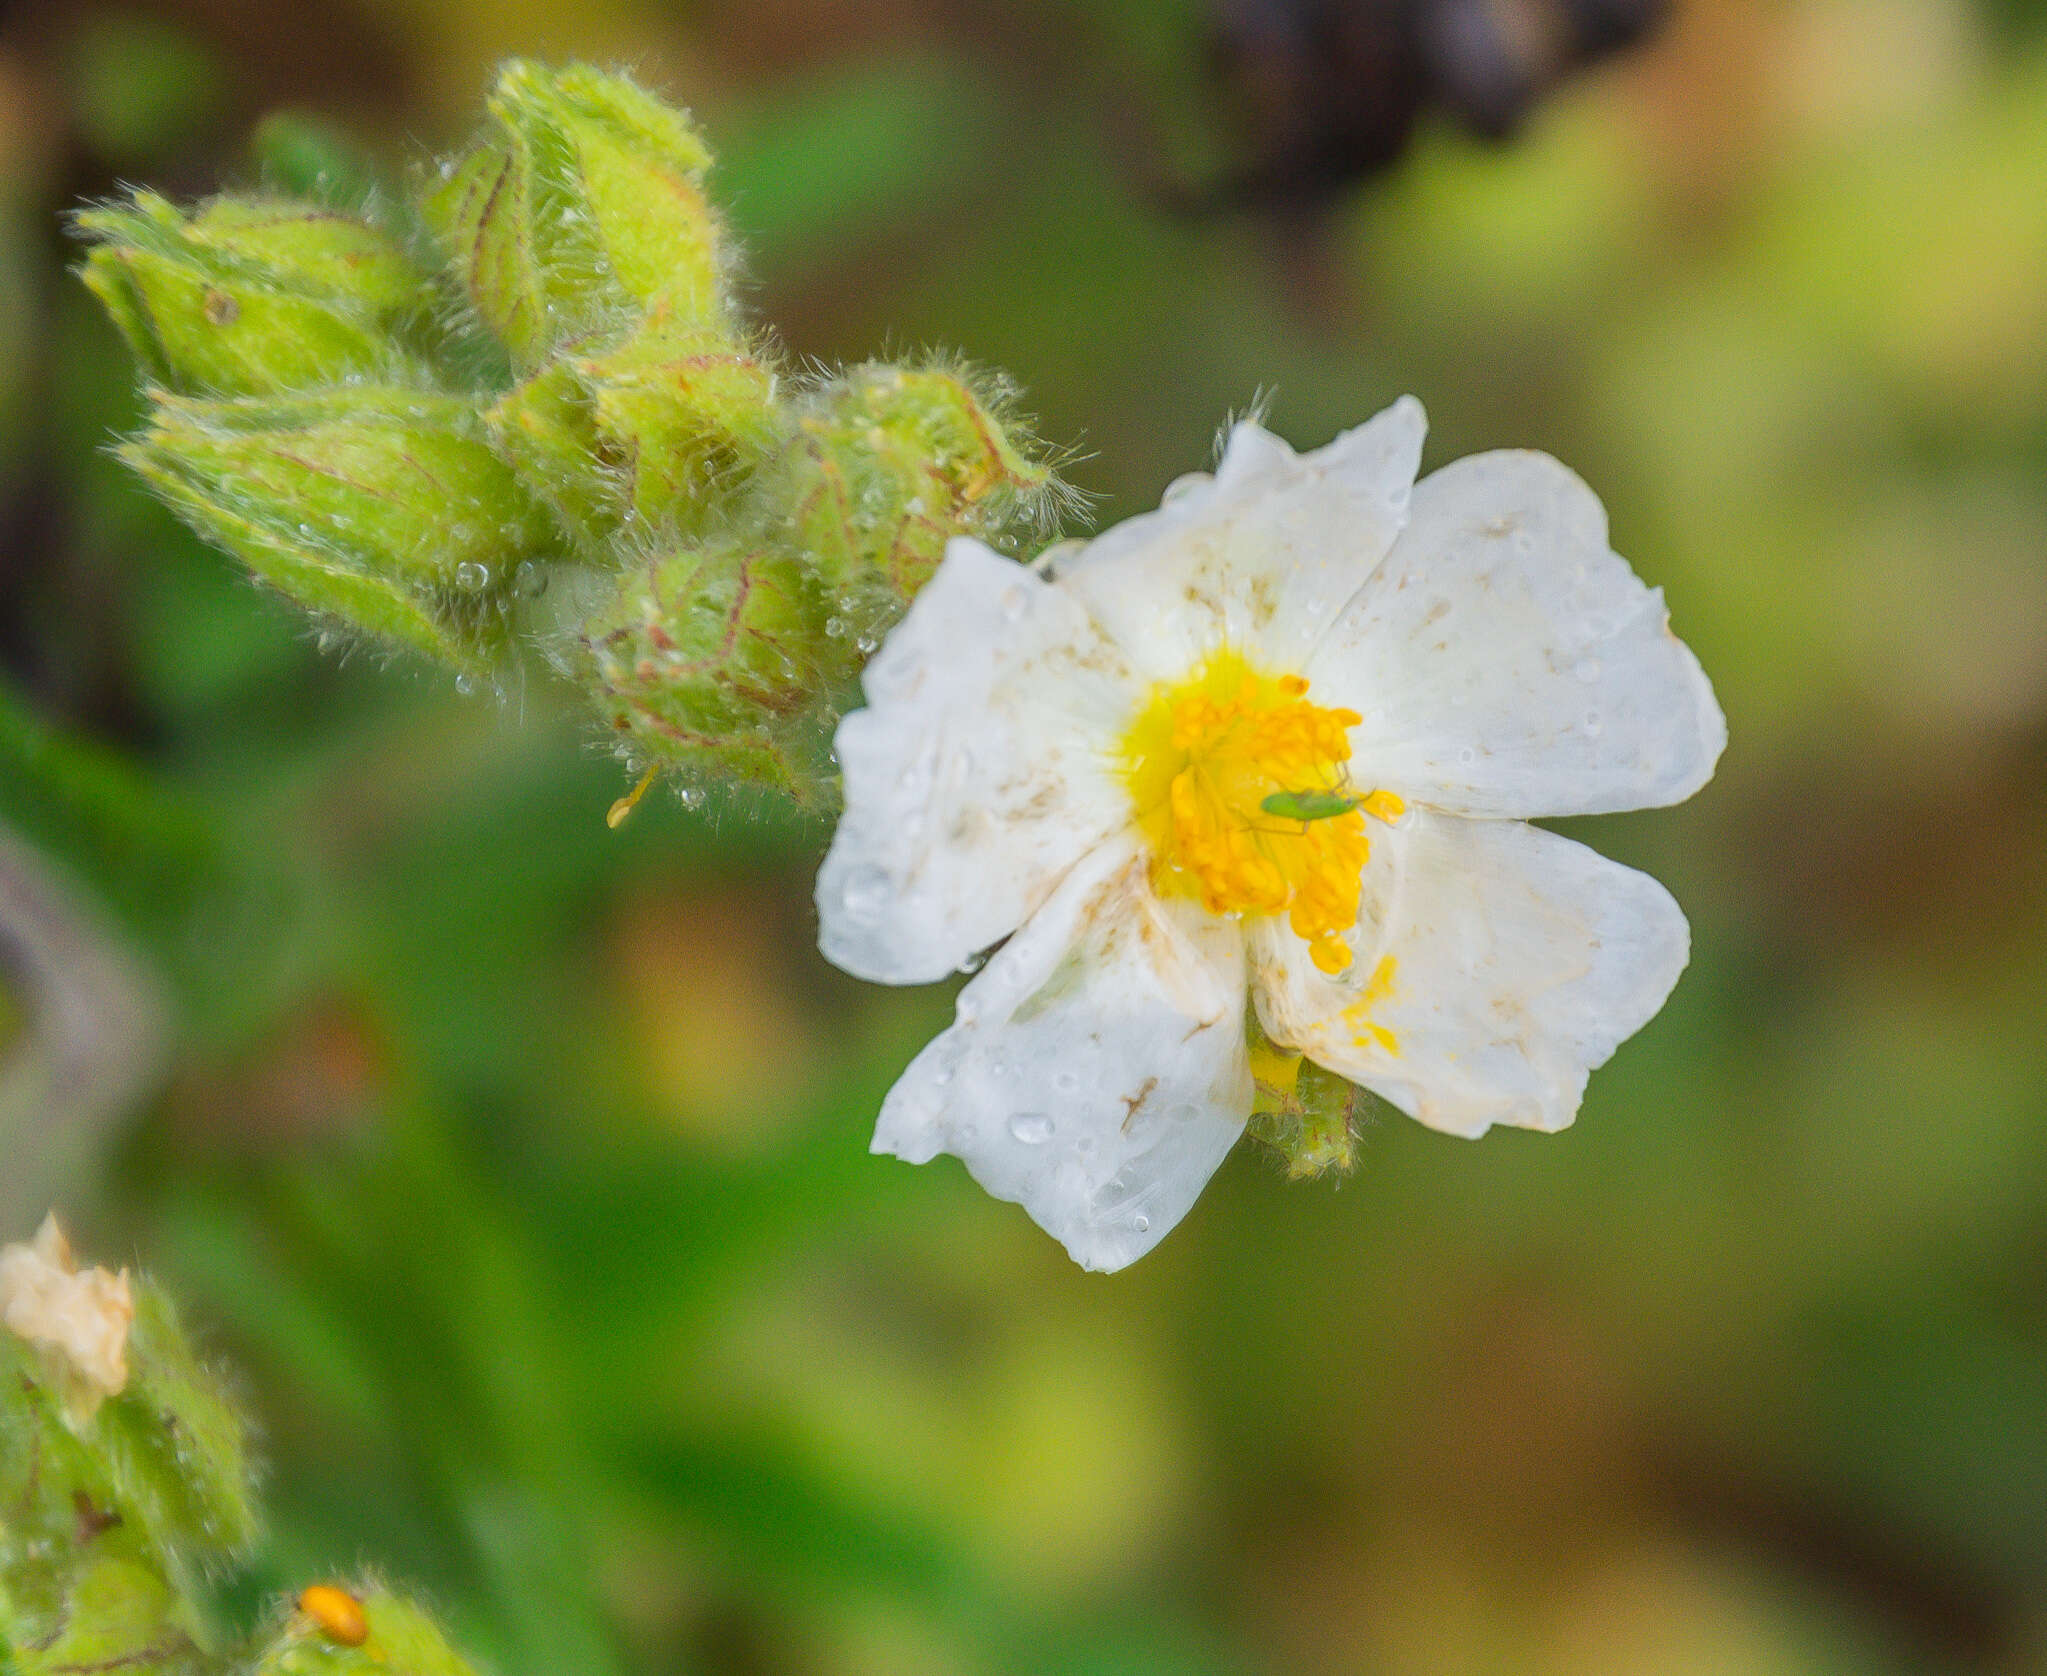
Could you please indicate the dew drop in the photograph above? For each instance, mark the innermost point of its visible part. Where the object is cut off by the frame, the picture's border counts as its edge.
(1031, 1128)
(835, 628)
(1141, 1223)
(530, 579)
(973, 963)
(465, 684)
(1067, 1082)
(864, 895)
(690, 797)
(472, 577)
(1467, 756)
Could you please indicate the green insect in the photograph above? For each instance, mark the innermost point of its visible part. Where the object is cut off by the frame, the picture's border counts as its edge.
(1308, 805)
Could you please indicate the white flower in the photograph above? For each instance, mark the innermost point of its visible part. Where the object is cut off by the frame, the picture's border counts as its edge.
(1109, 766)
(80, 1319)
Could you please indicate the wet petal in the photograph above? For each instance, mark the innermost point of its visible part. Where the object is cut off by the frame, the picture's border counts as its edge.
(1262, 556)
(1508, 663)
(979, 772)
(1097, 1074)
(1495, 965)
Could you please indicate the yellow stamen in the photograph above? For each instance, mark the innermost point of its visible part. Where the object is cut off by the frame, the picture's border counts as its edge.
(1202, 756)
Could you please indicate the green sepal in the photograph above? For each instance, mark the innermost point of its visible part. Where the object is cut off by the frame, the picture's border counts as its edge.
(580, 206)
(691, 413)
(546, 429)
(1308, 1115)
(704, 665)
(252, 296)
(890, 463)
(385, 508)
(670, 427)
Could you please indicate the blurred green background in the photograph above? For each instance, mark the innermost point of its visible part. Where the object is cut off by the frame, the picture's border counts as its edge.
(520, 1166)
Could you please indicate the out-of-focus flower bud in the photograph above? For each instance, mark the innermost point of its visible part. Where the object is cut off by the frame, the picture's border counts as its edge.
(114, 1510)
(705, 665)
(889, 463)
(252, 296)
(363, 1631)
(385, 508)
(580, 206)
(670, 427)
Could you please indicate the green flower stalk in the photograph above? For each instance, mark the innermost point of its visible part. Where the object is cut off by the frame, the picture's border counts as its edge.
(411, 441)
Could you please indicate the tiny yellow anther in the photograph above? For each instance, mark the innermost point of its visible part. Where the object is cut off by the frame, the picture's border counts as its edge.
(615, 816)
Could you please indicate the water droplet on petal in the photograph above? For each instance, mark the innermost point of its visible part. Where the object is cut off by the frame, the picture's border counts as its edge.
(1066, 1081)
(1141, 1223)
(1031, 1128)
(864, 895)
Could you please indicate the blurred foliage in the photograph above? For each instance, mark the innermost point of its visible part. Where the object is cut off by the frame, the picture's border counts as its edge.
(521, 1164)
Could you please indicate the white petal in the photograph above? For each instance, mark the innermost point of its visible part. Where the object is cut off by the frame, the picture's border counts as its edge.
(1508, 663)
(1520, 961)
(1097, 1074)
(981, 769)
(1262, 557)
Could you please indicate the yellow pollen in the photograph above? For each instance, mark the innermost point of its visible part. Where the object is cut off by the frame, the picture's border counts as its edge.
(1200, 759)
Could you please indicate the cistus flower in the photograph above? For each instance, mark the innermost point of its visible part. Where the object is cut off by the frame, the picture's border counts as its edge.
(1280, 740)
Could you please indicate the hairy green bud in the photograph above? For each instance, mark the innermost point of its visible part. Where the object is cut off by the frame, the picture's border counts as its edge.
(705, 664)
(580, 207)
(890, 463)
(669, 428)
(384, 507)
(365, 1631)
(109, 1508)
(251, 296)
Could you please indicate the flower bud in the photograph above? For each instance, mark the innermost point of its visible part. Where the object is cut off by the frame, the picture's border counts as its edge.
(691, 411)
(670, 427)
(890, 463)
(704, 664)
(386, 508)
(579, 207)
(364, 1631)
(251, 296)
(111, 1512)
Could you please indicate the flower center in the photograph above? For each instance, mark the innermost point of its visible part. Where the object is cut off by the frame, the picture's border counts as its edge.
(1240, 788)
